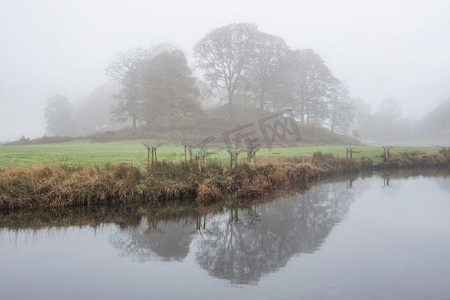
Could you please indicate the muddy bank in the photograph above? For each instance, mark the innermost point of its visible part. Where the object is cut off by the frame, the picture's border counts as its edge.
(56, 187)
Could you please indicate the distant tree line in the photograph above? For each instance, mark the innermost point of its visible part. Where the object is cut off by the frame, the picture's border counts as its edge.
(86, 115)
(239, 65)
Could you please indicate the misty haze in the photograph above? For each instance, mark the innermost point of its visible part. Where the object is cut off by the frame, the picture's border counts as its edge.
(225, 149)
(380, 51)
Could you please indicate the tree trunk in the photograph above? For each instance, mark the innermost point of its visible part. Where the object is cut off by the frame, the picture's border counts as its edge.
(302, 112)
(230, 104)
(261, 100)
(307, 112)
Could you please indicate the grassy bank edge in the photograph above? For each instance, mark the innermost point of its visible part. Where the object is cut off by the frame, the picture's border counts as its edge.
(64, 186)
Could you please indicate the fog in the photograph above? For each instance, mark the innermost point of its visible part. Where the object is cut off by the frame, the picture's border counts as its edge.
(381, 49)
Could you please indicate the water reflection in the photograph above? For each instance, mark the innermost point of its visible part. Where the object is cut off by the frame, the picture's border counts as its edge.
(392, 249)
(241, 245)
(168, 239)
(237, 244)
(390, 177)
(60, 218)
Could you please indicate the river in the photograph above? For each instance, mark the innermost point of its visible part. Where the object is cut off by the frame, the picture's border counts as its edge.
(379, 237)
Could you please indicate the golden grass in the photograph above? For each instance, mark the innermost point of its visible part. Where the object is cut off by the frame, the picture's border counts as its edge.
(64, 186)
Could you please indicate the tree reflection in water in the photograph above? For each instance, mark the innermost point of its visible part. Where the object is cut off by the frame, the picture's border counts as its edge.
(168, 239)
(241, 245)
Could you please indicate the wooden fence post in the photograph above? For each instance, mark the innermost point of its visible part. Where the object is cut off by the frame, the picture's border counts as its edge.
(231, 160)
(152, 156)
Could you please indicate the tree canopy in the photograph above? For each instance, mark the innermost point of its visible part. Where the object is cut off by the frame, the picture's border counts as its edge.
(223, 54)
(127, 69)
(312, 81)
(170, 91)
(240, 64)
(265, 69)
(340, 108)
(259, 69)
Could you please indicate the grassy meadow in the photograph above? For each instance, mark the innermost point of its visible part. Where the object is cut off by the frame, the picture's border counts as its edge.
(85, 153)
(86, 174)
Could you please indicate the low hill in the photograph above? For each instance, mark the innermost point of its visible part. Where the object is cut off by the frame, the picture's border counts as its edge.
(437, 122)
(217, 125)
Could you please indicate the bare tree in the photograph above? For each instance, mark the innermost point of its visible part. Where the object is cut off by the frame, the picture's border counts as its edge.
(127, 70)
(340, 108)
(252, 146)
(223, 53)
(265, 69)
(311, 80)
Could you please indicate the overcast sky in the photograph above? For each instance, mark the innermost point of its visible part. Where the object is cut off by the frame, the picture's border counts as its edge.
(398, 49)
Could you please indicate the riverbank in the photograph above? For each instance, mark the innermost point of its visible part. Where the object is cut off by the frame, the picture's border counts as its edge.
(64, 186)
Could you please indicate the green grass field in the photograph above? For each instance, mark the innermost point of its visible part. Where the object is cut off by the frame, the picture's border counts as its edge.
(85, 153)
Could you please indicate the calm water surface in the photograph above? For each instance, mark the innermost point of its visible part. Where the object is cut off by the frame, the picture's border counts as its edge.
(371, 238)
